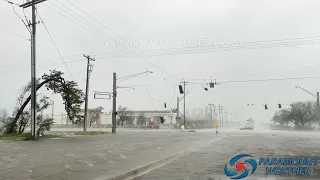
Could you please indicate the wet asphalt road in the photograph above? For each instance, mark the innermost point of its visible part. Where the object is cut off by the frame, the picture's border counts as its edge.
(208, 163)
(106, 156)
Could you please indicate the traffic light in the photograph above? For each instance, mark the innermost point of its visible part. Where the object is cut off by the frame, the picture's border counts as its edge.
(162, 119)
(211, 85)
(165, 105)
(279, 105)
(180, 89)
(265, 107)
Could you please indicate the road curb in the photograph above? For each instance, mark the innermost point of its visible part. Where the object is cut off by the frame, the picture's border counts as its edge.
(145, 169)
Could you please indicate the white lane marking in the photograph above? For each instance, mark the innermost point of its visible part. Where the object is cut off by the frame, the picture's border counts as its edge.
(170, 160)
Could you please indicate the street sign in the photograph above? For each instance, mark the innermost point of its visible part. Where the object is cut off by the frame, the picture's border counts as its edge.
(108, 94)
(216, 124)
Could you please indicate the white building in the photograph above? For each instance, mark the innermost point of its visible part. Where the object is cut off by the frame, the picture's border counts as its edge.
(106, 118)
(154, 116)
(63, 120)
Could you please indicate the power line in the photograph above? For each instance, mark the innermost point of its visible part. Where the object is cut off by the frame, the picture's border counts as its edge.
(104, 34)
(210, 49)
(120, 37)
(55, 44)
(15, 34)
(3, 69)
(25, 24)
(149, 95)
(52, 61)
(263, 80)
(10, 2)
(174, 92)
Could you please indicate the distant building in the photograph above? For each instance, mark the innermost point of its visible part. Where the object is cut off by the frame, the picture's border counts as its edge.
(62, 120)
(105, 119)
(154, 116)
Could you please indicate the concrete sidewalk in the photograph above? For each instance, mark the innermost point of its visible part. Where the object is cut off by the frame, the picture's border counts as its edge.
(94, 157)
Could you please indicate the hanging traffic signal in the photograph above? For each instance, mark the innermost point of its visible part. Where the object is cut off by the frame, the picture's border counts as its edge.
(265, 107)
(211, 85)
(180, 89)
(279, 105)
(165, 105)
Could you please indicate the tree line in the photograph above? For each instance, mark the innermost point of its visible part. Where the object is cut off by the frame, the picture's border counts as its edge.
(299, 113)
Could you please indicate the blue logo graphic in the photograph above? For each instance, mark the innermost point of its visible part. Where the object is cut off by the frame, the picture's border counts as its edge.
(242, 170)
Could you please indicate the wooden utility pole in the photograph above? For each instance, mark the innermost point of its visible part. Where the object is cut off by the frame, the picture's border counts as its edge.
(89, 70)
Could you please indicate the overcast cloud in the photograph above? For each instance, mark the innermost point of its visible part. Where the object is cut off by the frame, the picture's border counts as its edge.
(171, 22)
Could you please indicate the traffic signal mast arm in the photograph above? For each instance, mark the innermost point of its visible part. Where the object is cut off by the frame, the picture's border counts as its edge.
(314, 95)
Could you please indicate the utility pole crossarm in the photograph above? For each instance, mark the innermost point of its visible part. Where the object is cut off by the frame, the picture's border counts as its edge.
(28, 4)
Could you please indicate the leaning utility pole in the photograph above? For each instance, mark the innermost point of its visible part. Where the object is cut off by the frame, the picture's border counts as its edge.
(89, 70)
(33, 65)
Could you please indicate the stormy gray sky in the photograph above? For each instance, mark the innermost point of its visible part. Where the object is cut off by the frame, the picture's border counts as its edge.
(278, 39)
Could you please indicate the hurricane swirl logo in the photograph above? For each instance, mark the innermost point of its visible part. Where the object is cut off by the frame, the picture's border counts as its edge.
(241, 167)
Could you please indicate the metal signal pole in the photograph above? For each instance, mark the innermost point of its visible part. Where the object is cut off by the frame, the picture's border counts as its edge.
(184, 103)
(33, 66)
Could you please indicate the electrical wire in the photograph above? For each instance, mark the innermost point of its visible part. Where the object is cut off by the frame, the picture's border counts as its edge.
(263, 80)
(174, 92)
(201, 50)
(108, 37)
(15, 34)
(120, 37)
(249, 42)
(152, 100)
(21, 19)
(10, 2)
(55, 44)
(28, 66)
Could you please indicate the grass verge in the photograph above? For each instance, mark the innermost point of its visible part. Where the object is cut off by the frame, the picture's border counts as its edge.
(25, 136)
(89, 133)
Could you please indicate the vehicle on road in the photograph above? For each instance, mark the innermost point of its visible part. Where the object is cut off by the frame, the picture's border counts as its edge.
(249, 125)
